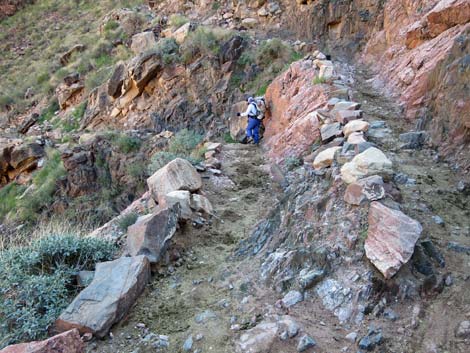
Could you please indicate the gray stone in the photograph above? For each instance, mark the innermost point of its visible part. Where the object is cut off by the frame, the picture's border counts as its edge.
(389, 314)
(114, 289)
(150, 234)
(305, 343)
(414, 139)
(351, 337)
(188, 344)
(311, 278)
(205, 316)
(292, 298)
(330, 131)
(463, 330)
(438, 220)
(371, 340)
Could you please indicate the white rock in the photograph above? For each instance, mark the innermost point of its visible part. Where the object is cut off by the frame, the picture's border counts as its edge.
(371, 161)
(326, 157)
(354, 126)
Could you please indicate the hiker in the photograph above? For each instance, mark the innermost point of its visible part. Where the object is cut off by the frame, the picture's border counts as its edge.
(253, 113)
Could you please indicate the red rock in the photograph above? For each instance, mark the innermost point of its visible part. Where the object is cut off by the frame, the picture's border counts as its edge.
(67, 342)
(391, 238)
(370, 188)
(292, 98)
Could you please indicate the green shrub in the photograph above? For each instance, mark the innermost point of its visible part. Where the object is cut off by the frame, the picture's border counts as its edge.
(204, 41)
(184, 142)
(48, 113)
(292, 162)
(127, 220)
(37, 282)
(177, 20)
(9, 195)
(262, 89)
(168, 49)
(72, 123)
(271, 50)
(127, 144)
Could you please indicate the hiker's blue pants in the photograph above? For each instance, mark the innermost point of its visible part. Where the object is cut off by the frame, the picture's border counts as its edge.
(252, 130)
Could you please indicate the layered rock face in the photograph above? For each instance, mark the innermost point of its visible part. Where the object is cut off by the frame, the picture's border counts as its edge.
(292, 125)
(18, 159)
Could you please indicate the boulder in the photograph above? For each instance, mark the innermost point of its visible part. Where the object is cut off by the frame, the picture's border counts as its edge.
(250, 22)
(24, 155)
(371, 161)
(114, 289)
(346, 105)
(355, 126)
(305, 343)
(149, 235)
(142, 69)
(66, 342)
(142, 42)
(200, 203)
(179, 174)
(356, 138)
(117, 80)
(330, 131)
(391, 238)
(345, 116)
(367, 189)
(69, 95)
(291, 298)
(64, 58)
(181, 197)
(259, 339)
(326, 157)
(231, 50)
(181, 33)
(463, 330)
(28, 123)
(413, 139)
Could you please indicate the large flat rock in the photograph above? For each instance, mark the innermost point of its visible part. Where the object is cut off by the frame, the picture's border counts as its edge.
(391, 238)
(150, 233)
(114, 289)
(179, 174)
(66, 342)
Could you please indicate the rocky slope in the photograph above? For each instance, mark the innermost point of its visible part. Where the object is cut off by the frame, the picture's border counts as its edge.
(347, 230)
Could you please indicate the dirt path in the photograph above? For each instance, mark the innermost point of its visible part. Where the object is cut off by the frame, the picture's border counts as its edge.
(430, 195)
(207, 281)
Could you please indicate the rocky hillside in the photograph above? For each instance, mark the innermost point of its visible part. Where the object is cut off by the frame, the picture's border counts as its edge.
(132, 219)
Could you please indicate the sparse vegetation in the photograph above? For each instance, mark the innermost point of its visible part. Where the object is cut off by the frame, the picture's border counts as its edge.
(292, 162)
(185, 144)
(177, 20)
(204, 41)
(125, 144)
(127, 220)
(37, 282)
(56, 30)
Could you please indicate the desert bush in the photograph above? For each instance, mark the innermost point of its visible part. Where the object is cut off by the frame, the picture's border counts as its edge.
(127, 220)
(37, 282)
(204, 41)
(272, 50)
(127, 144)
(168, 49)
(184, 142)
(177, 20)
(292, 162)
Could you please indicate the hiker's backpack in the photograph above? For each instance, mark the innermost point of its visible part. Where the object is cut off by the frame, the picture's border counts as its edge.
(260, 107)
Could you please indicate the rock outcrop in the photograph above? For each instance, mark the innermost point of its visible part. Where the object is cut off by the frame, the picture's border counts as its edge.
(18, 159)
(292, 125)
(150, 234)
(391, 238)
(67, 342)
(115, 287)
